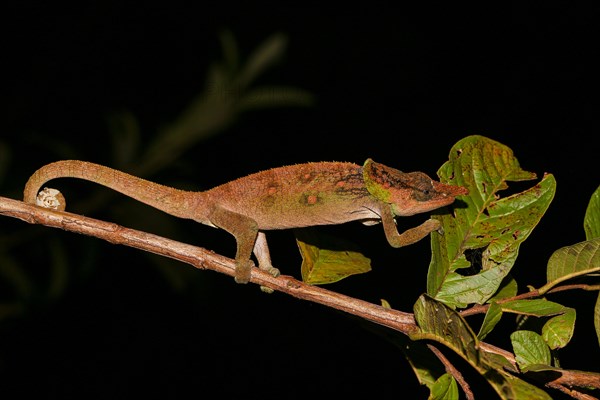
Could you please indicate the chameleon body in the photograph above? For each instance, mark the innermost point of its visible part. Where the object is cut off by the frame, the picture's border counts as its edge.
(294, 196)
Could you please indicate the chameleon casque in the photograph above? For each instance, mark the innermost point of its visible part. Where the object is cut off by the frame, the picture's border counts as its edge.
(293, 196)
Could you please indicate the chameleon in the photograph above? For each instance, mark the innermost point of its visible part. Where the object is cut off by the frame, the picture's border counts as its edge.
(292, 196)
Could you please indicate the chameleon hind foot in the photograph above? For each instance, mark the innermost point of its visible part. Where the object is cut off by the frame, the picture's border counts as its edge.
(275, 273)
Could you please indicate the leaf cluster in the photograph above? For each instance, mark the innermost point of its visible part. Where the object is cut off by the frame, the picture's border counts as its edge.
(470, 273)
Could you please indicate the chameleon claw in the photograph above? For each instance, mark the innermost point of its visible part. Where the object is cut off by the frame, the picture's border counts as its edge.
(267, 290)
(273, 271)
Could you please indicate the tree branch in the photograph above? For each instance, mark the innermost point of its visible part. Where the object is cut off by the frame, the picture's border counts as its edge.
(204, 259)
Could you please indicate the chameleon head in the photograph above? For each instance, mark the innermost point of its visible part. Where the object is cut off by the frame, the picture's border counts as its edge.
(408, 193)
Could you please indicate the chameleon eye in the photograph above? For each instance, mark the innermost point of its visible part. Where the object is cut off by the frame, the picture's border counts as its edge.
(423, 191)
(421, 195)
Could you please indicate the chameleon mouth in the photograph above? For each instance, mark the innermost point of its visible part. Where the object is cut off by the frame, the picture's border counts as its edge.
(460, 191)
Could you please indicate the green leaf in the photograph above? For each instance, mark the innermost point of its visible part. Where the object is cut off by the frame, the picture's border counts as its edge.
(572, 261)
(328, 259)
(439, 322)
(558, 331)
(591, 221)
(508, 288)
(445, 388)
(492, 317)
(591, 225)
(487, 227)
(534, 307)
(530, 348)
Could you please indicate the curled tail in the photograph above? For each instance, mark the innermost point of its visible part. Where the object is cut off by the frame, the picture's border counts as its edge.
(173, 201)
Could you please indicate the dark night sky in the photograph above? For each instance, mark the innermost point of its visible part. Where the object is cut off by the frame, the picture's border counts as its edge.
(399, 85)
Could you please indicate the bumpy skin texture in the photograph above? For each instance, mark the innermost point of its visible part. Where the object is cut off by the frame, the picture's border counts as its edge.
(294, 196)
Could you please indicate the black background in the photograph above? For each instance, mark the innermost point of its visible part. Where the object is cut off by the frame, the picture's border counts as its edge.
(400, 85)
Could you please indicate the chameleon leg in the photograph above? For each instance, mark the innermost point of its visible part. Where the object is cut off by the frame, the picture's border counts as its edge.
(245, 231)
(409, 236)
(261, 251)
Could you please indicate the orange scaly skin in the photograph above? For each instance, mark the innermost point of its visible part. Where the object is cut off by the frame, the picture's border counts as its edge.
(294, 196)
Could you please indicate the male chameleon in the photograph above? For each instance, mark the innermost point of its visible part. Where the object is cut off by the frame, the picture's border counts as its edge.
(294, 196)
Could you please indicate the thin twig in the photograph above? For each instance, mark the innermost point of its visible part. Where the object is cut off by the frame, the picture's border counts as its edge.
(453, 371)
(482, 308)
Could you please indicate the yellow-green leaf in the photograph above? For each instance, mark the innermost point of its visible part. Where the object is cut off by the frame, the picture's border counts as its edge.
(327, 259)
(534, 307)
(492, 317)
(558, 330)
(591, 221)
(591, 225)
(530, 349)
(572, 261)
(445, 388)
(508, 288)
